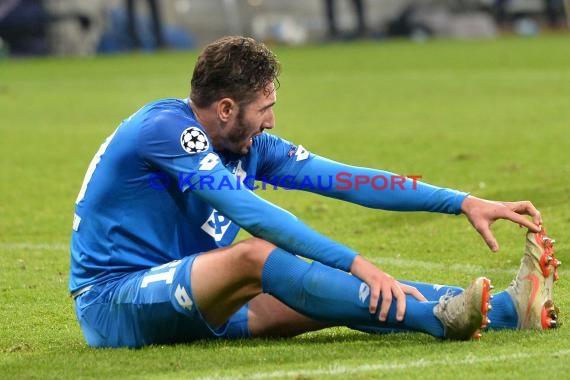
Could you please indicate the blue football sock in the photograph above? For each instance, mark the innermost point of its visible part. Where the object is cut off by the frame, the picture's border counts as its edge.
(433, 292)
(328, 294)
(238, 327)
(503, 314)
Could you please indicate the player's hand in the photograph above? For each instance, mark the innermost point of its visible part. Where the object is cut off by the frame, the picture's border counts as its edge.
(383, 285)
(482, 213)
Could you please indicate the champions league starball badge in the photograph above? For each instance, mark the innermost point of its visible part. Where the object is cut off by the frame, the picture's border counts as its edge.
(193, 140)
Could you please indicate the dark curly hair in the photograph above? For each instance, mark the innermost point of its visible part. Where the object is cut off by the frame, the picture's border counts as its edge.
(233, 67)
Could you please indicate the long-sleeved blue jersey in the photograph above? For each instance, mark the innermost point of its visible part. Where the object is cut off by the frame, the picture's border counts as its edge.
(157, 191)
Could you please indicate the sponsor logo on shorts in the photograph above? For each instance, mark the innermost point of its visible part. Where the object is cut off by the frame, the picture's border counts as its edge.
(364, 292)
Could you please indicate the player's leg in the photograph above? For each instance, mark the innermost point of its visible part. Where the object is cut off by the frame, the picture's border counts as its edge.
(331, 18)
(502, 312)
(156, 17)
(433, 292)
(193, 298)
(526, 304)
(266, 316)
(224, 280)
(269, 317)
(132, 24)
(327, 294)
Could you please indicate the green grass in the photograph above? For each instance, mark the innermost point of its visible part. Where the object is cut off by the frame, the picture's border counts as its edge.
(489, 117)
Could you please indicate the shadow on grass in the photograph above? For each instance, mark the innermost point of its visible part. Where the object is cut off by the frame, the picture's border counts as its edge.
(320, 338)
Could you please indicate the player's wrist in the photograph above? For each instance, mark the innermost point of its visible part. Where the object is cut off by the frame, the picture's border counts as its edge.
(467, 204)
(355, 263)
(361, 267)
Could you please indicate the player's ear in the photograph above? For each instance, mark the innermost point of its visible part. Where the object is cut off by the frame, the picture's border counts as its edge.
(226, 108)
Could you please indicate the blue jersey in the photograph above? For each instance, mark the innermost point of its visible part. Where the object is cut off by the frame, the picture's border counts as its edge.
(157, 191)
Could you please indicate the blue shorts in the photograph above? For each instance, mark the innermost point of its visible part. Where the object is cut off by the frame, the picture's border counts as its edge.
(153, 306)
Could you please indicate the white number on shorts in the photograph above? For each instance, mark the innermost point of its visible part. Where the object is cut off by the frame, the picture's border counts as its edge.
(183, 298)
(166, 276)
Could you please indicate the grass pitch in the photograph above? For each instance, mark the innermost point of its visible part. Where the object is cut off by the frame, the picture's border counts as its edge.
(489, 117)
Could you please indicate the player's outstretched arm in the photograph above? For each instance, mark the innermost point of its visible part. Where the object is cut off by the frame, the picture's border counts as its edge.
(481, 213)
(417, 196)
(375, 188)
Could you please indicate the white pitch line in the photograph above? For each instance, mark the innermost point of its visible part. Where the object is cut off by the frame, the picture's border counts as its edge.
(430, 265)
(441, 267)
(422, 363)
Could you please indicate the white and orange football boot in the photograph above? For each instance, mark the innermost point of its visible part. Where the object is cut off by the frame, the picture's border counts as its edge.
(532, 289)
(465, 314)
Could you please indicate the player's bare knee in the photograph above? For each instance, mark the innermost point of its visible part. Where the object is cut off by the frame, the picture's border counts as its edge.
(254, 251)
(257, 245)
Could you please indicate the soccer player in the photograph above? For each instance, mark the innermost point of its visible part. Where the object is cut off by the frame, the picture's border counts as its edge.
(152, 259)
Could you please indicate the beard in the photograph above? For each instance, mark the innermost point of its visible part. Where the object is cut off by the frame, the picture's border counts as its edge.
(239, 137)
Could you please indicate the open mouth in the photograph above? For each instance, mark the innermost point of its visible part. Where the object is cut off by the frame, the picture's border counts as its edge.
(253, 137)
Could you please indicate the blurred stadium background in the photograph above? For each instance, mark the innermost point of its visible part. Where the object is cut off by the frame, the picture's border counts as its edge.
(74, 27)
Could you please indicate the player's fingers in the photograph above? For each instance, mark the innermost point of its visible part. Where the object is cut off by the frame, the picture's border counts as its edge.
(487, 235)
(522, 220)
(400, 301)
(527, 208)
(413, 291)
(374, 297)
(386, 302)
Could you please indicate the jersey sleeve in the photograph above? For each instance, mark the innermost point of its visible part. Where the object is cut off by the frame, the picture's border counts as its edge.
(375, 188)
(279, 158)
(175, 148)
(268, 221)
(294, 167)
